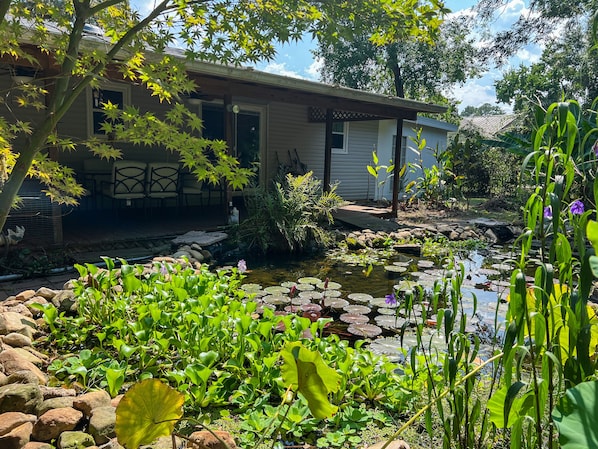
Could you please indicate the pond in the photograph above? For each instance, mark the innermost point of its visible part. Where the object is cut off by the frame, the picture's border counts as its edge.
(351, 288)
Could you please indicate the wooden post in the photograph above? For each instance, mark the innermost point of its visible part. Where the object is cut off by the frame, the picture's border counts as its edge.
(328, 150)
(398, 164)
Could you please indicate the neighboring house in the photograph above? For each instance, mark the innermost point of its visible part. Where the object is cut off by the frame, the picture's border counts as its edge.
(435, 134)
(489, 126)
(263, 117)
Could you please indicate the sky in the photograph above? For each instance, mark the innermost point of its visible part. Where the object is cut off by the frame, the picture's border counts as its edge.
(296, 60)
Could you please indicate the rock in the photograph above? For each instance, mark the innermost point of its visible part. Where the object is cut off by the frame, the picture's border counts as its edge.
(396, 444)
(101, 424)
(65, 301)
(56, 392)
(17, 438)
(12, 420)
(25, 295)
(205, 440)
(20, 398)
(16, 340)
(22, 377)
(15, 322)
(38, 445)
(163, 443)
(33, 303)
(52, 403)
(55, 421)
(116, 400)
(28, 354)
(408, 248)
(88, 401)
(12, 362)
(21, 309)
(74, 440)
(45, 292)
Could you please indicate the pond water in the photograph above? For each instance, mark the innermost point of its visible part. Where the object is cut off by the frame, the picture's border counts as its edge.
(358, 279)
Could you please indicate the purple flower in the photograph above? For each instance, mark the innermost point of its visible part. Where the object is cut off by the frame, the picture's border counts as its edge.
(391, 299)
(242, 266)
(595, 148)
(548, 212)
(576, 207)
(163, 270)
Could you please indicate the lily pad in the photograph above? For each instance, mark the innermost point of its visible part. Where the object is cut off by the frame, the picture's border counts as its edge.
(331, 286)
(277, 290)
(336, 303)
(309, 280)
(394, 270)
(311, 307)
(379, 302)
(276, 300)
(293, 309)
(298, 301)
(311, 295)
(251, 288)
(305, 287)
(355, 308)
(360, 297)
(425, 263)
(364, 330)
(391, 322)
(386, 311)
(289, 284)
(354, 318)
(332, 294)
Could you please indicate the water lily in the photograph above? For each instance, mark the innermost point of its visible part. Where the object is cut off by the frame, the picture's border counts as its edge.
(577, 207)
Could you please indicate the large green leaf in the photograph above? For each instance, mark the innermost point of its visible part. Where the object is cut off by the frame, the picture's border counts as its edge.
(149, 410)
(305, 371)
(576, 416)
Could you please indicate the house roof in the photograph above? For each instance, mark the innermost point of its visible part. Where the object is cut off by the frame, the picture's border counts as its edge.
(488, 125)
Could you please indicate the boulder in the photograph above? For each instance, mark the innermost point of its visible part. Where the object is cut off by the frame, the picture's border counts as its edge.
(15, 322)
(65, 301)
(55, 421)
(52, 403)
(20, 398)
(12, 420)
(13, 361)
(205, 440)
(88, 401)
(16, 340)
(102, 423)
(17, 438)
(74, 440)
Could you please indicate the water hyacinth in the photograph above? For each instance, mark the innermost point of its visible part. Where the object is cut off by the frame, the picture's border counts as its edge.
(242, 266)
(548, 212)
(577, 207)
(391, 299)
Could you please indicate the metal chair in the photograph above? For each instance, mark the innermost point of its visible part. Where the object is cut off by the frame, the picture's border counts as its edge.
(127, 183)
(191, 186)
(163, 182)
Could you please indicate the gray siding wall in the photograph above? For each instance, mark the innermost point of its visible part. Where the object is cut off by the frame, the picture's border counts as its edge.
(288, 129)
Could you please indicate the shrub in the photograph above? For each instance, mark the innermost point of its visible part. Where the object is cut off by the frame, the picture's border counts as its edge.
(290, 217)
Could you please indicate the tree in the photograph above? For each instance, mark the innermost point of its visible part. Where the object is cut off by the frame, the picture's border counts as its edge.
(132, 48)
(485, 109)
(540, 23)
(567, 69)
(411, 68)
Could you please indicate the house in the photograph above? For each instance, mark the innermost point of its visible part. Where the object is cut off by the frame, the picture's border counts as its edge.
(489, 126)
(265, 118)
(433, 131)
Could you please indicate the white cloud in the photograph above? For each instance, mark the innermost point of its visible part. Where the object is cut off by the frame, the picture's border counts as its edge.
(313, 71)
(476, 93)
(280, 69)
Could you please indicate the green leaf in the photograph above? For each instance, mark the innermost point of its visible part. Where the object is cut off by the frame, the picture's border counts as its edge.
(576, 415)
(149, 410)
(305, 371)
(592, 232)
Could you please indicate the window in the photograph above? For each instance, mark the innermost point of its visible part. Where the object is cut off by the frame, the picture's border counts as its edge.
(117, 94)
(340, 132)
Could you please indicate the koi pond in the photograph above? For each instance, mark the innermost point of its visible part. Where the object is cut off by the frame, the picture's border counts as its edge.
(353, 290)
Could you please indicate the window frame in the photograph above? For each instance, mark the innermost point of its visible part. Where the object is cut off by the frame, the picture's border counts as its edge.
(345, 134)
(125, 89)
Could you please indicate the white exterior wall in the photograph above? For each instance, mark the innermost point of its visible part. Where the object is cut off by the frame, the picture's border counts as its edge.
(433, 131)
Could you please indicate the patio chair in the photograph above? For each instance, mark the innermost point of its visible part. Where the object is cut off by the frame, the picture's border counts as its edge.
(163, 182)
(127, 183)
(191, 186)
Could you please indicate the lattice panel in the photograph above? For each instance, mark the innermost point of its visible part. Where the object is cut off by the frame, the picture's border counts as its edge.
(318, 115)
(35, 214)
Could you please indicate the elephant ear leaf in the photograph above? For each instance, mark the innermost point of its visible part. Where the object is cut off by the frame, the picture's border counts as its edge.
(306, 372)
(149, 410)
(575, 416)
